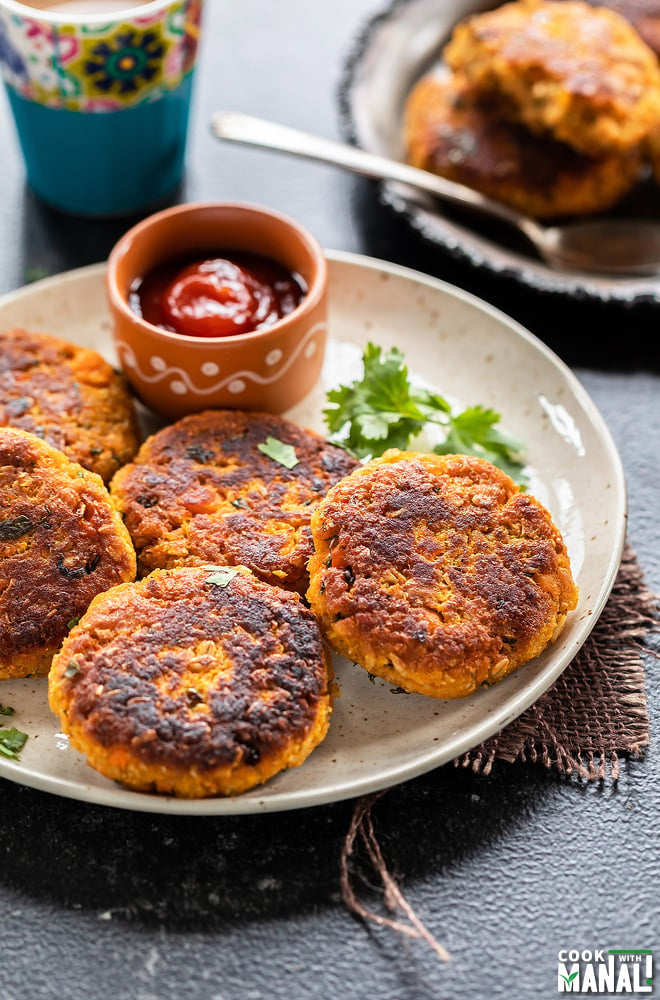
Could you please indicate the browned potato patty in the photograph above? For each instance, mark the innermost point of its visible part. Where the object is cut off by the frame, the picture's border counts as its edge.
(192, 683)
(69, 396)
(563, 67)
(61, 543)
(203, 491)
(436, 573)
(653, 152)
(644, 15)
(452, 130)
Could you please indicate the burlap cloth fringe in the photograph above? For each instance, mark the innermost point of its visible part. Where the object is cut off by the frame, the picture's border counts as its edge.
(593, 713)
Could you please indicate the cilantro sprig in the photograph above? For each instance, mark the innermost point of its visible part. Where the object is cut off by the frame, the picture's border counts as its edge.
(384, 410)
(12, 740)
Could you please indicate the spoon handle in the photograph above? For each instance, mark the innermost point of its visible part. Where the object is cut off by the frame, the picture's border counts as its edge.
(237, 127)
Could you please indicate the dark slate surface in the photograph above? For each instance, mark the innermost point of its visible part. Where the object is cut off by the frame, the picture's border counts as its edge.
(504, 870)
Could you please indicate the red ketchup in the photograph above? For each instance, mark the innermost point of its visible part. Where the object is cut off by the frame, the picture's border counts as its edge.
(216, 296)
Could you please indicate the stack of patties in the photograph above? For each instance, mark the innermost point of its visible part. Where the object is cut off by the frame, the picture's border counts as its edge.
(546, 106)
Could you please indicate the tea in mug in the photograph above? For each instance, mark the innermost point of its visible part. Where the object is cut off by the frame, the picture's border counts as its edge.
(84, 7)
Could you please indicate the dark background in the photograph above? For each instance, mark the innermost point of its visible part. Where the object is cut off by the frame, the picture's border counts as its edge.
(504, 870)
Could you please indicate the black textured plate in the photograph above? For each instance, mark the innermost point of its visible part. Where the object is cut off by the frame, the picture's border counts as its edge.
(395, 48)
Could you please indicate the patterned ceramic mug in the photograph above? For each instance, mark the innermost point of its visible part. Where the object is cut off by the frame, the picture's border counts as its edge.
(100, 93)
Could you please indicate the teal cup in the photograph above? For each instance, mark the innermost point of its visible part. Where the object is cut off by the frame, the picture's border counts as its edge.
(101, 100)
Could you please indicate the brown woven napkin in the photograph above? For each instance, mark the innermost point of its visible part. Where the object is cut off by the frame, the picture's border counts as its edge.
(596, 710)
(593, 713)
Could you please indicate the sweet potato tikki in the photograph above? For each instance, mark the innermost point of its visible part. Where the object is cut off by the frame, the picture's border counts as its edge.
(436, 573)
(69, 396)
(453, 130)
(229, 487)
(196, 681)
(579, 73)
(61, 543)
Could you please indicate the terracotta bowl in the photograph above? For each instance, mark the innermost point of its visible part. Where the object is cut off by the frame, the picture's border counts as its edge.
(270, 369)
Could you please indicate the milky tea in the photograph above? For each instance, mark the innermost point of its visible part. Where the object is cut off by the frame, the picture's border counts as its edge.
(84, 7)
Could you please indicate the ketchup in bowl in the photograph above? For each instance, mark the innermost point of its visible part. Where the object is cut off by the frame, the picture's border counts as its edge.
(217, 295)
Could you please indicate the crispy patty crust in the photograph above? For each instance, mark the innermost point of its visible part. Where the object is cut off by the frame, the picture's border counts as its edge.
(69, 396)
(653, 151)
(644, 15)
(194, 684)
(61, 543)
(454, 131)
(436, 573)
(564, 67)
(203, 491)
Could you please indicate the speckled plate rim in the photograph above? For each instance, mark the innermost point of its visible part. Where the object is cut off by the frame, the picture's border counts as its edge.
(393, 48)
(360, 289)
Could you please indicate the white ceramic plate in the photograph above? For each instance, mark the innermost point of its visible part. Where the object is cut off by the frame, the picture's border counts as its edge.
(394, 50)
(471, 353)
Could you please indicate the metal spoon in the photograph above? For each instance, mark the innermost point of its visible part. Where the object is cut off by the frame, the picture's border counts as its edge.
(601, 245)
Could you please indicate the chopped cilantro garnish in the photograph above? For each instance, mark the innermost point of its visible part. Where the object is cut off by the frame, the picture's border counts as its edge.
(280, 452)
(6, 710)
(222, 576)
(12, 742)
(384, 410)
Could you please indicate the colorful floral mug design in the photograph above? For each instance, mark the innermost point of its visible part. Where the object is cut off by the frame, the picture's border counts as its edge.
(98, 65)
(118, 85)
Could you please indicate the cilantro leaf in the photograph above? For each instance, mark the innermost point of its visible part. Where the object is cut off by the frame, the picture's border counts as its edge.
(280, 452)
(384, 410)
(222, 576)
(12, 742)
(6, 710)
